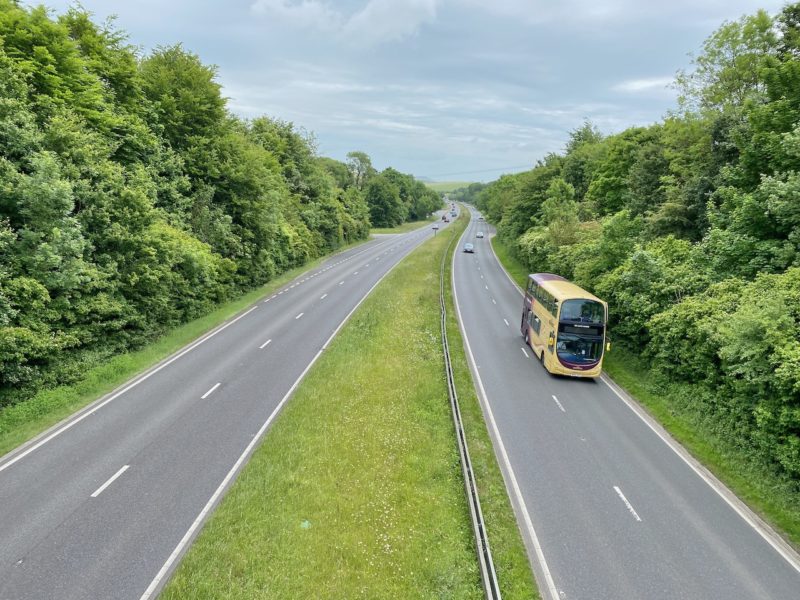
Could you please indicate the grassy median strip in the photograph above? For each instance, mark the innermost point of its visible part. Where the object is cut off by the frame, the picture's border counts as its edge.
(356, 491)
(508, 551)
(20, 422)
(775, 498)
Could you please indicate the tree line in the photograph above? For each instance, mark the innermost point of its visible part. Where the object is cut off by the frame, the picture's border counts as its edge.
(690, 229)
(132, 200)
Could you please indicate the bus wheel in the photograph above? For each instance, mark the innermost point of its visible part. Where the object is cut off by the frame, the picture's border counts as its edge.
(527, 343)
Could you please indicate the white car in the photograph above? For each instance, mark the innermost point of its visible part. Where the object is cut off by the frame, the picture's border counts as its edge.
(479, 235)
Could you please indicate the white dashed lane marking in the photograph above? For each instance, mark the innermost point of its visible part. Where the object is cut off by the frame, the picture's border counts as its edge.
(211, 391)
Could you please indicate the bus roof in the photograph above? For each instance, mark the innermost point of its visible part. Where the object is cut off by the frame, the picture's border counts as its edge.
(560, 288)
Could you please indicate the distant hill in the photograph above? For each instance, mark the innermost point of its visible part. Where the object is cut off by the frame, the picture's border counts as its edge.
(445, 186)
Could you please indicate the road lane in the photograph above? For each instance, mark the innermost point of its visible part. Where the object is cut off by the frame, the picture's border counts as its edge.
(181, 430)
(585, 464)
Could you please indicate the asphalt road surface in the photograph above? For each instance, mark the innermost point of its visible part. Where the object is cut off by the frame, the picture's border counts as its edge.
(608, 508)
(103, 505)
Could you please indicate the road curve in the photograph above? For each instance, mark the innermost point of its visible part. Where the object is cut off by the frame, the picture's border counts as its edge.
(607, 508)
(95, 508)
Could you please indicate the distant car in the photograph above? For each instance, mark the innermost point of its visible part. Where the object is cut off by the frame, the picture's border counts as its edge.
(479, 235)
(446, 220)
(480, 218)
(469, 248)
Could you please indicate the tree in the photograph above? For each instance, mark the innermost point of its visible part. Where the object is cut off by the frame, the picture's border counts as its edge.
(361, 167)
(727, 71)
(386, 209)
(184, 91)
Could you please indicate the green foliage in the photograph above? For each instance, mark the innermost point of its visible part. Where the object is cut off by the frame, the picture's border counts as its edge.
(727, 71)
(386, 209)
(690, 228)
(132, 201)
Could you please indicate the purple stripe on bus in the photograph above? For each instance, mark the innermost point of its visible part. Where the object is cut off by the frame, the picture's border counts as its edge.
(578, 366)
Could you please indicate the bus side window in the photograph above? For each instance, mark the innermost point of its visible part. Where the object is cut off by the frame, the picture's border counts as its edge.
(536, 324)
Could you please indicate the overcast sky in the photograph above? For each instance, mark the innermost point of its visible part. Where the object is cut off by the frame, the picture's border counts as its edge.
(446, 89)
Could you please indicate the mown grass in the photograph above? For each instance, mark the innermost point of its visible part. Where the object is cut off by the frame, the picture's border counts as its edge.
(508, 551)
(776, 499)
(356, 491)
(447, 186)
(20, 422)
(405, 227)
(516, 269)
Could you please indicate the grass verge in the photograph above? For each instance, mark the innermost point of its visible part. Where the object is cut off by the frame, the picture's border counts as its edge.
(20, 422)
(356, 492)
(405, 227)
(508, 551)
(514, 268)
(775, 498)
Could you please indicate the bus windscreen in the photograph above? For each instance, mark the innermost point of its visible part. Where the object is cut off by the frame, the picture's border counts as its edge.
(582, 311)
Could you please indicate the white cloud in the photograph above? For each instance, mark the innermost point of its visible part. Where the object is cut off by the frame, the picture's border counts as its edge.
(306, 13)
(646, 84)
(389, 20)
(377, 21)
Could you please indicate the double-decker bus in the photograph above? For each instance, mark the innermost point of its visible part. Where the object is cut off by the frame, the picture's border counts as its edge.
(564, 325)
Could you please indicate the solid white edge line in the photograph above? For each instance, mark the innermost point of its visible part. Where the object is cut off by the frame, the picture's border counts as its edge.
(749, 516)
(508, 471)
(211, 391)
(99, 490)
(628, 504)
(91, 409)
(559, 404)
(740, 508)
(189, 535)
(264, 345)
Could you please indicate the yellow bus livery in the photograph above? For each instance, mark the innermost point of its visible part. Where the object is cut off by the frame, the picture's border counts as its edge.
(564, 325)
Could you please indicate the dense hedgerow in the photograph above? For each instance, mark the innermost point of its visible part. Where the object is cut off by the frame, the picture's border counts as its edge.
(690, 228)
(131, 200)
